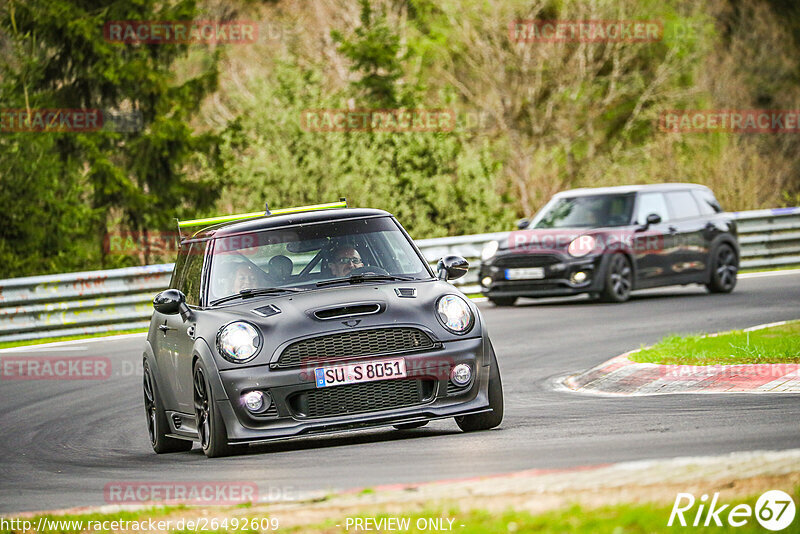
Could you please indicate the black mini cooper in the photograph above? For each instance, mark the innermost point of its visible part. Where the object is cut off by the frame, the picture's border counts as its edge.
(311, 320)
(610, 241)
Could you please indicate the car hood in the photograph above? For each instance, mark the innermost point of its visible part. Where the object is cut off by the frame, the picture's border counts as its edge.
(295, 316)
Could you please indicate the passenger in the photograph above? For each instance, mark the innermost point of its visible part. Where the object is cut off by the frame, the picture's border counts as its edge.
(280, 268)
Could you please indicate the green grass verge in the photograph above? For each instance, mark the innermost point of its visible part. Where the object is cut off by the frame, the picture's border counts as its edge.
(12, 344)
(779, 344)
(617, 519)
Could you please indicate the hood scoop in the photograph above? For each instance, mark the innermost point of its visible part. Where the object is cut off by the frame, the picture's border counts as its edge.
(406, 292)
(267, 311)
(348, 310)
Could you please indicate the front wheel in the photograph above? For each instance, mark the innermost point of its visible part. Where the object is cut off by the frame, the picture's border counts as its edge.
(210, 424)
(724, 269)
(619, 279)
(157, 424)
(486, 420)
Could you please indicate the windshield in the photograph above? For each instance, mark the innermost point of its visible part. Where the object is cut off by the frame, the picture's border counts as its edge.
(304, 255)
(597, 211)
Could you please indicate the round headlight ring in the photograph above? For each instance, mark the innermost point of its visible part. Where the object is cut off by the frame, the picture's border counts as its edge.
(582, 246)
(454, 314)
(239, 342)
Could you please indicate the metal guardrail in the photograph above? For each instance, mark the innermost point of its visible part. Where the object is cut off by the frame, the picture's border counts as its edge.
(120, 299)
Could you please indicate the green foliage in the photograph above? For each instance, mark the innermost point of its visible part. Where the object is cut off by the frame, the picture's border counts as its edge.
(60, 59)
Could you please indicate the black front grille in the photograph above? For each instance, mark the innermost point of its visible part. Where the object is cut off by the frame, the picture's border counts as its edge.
(521, 259)
(354, 344)
(360, 398)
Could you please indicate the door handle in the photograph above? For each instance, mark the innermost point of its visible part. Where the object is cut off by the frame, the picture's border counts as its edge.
(673, 230)
(164, 328)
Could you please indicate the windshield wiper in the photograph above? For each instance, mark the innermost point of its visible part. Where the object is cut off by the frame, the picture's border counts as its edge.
(360, 278)
(254, 292)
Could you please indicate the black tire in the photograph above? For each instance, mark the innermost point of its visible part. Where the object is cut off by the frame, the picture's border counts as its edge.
(618, 280)
(409, 426)
(487, 420)
(724, 270)
(157, 424)
(503, 301)
(210, 425)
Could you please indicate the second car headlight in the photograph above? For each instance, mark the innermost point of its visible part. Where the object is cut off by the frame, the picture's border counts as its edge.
(581, 246)
(489, 250)
(455, 314)
(238, 342)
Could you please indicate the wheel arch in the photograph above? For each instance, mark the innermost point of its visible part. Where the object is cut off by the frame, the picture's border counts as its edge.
(202, 352)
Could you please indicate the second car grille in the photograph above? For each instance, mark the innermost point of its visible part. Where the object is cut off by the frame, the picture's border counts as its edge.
(360, 398)
(526, 260)
(353, 345)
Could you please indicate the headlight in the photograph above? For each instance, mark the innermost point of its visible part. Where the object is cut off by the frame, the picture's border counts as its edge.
(238, 342)
(454, 314)
(581, 246)
(489, 250)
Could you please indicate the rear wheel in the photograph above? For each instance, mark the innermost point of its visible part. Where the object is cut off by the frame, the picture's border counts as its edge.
(619, 279)
(157, 424)
(724, 269)
(486, 420)
(210, 425)
(503, 301)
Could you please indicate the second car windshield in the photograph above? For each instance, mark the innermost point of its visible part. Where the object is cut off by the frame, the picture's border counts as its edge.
(307, 254)
(594, 211)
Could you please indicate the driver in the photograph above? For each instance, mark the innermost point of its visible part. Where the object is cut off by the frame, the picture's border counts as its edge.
(345, 259)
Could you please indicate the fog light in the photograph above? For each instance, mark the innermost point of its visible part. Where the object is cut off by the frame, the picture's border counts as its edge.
(487, 281)
(256, 401)
(579, 277)
(461, 374)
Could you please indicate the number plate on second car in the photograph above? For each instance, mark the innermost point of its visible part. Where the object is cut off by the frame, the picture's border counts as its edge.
(360, 372)
(525, 273)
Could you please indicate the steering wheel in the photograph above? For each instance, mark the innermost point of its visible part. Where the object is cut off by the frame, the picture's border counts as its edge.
(368, 269)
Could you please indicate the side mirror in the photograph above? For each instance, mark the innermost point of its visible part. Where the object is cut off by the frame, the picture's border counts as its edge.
(452, 267)
(170, 302)
(653, 218)
(523, 223)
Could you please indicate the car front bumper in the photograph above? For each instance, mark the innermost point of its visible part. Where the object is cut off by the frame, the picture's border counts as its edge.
(288, 388)
(558, 280)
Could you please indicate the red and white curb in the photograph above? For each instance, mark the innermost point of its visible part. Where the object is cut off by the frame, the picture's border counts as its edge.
(621, 376)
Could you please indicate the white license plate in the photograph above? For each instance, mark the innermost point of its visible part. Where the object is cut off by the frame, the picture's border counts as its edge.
(525, 273)
(352, 373)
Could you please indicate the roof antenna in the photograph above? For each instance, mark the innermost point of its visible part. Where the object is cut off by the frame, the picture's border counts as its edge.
(343, 199)
(266, 208)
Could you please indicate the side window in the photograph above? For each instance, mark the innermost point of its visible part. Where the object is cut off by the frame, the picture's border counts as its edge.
(707, 202)
(189, 282)
(177, 271)
(682, 205)
(651, 203)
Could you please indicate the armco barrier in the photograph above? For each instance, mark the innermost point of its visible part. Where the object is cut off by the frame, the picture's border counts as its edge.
(120, 299)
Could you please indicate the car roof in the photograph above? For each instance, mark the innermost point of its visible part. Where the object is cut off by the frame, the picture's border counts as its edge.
(281, 221)
(625, 189)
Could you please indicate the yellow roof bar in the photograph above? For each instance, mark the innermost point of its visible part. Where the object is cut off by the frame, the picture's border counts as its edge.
(227, 218)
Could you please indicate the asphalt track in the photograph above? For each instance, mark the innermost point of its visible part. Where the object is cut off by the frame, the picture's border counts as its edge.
(62, 441)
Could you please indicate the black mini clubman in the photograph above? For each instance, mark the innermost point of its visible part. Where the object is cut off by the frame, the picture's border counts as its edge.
(310, 320)
(610, 241)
